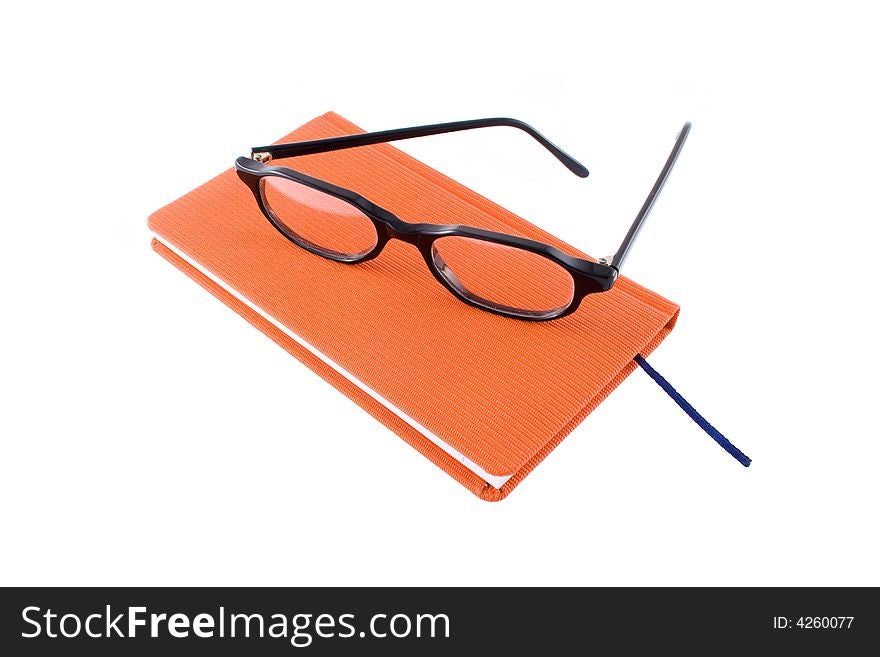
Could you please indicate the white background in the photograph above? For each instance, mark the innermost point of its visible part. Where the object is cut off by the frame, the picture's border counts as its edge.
(150, 436)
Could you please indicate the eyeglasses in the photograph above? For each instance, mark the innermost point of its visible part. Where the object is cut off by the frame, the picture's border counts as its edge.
(500, 273)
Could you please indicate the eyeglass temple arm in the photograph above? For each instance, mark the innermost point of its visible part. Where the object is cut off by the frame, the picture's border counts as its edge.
(620, 256)
(369, 138)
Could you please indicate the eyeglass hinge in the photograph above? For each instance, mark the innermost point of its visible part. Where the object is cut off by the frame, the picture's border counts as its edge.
(261, 157)
(606, 260)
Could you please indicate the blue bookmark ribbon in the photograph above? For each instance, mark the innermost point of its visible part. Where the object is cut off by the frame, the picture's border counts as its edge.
(719, 438)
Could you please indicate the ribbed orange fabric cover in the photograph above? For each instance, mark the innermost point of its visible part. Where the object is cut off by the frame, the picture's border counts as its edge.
(503, 392)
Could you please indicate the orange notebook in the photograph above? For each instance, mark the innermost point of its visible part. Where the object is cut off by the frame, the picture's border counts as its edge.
(484, 397)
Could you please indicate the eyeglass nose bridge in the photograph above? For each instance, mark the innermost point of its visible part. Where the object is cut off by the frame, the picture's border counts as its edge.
(403, 231)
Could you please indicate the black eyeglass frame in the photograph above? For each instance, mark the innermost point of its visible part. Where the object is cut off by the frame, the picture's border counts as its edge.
(589, 277)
